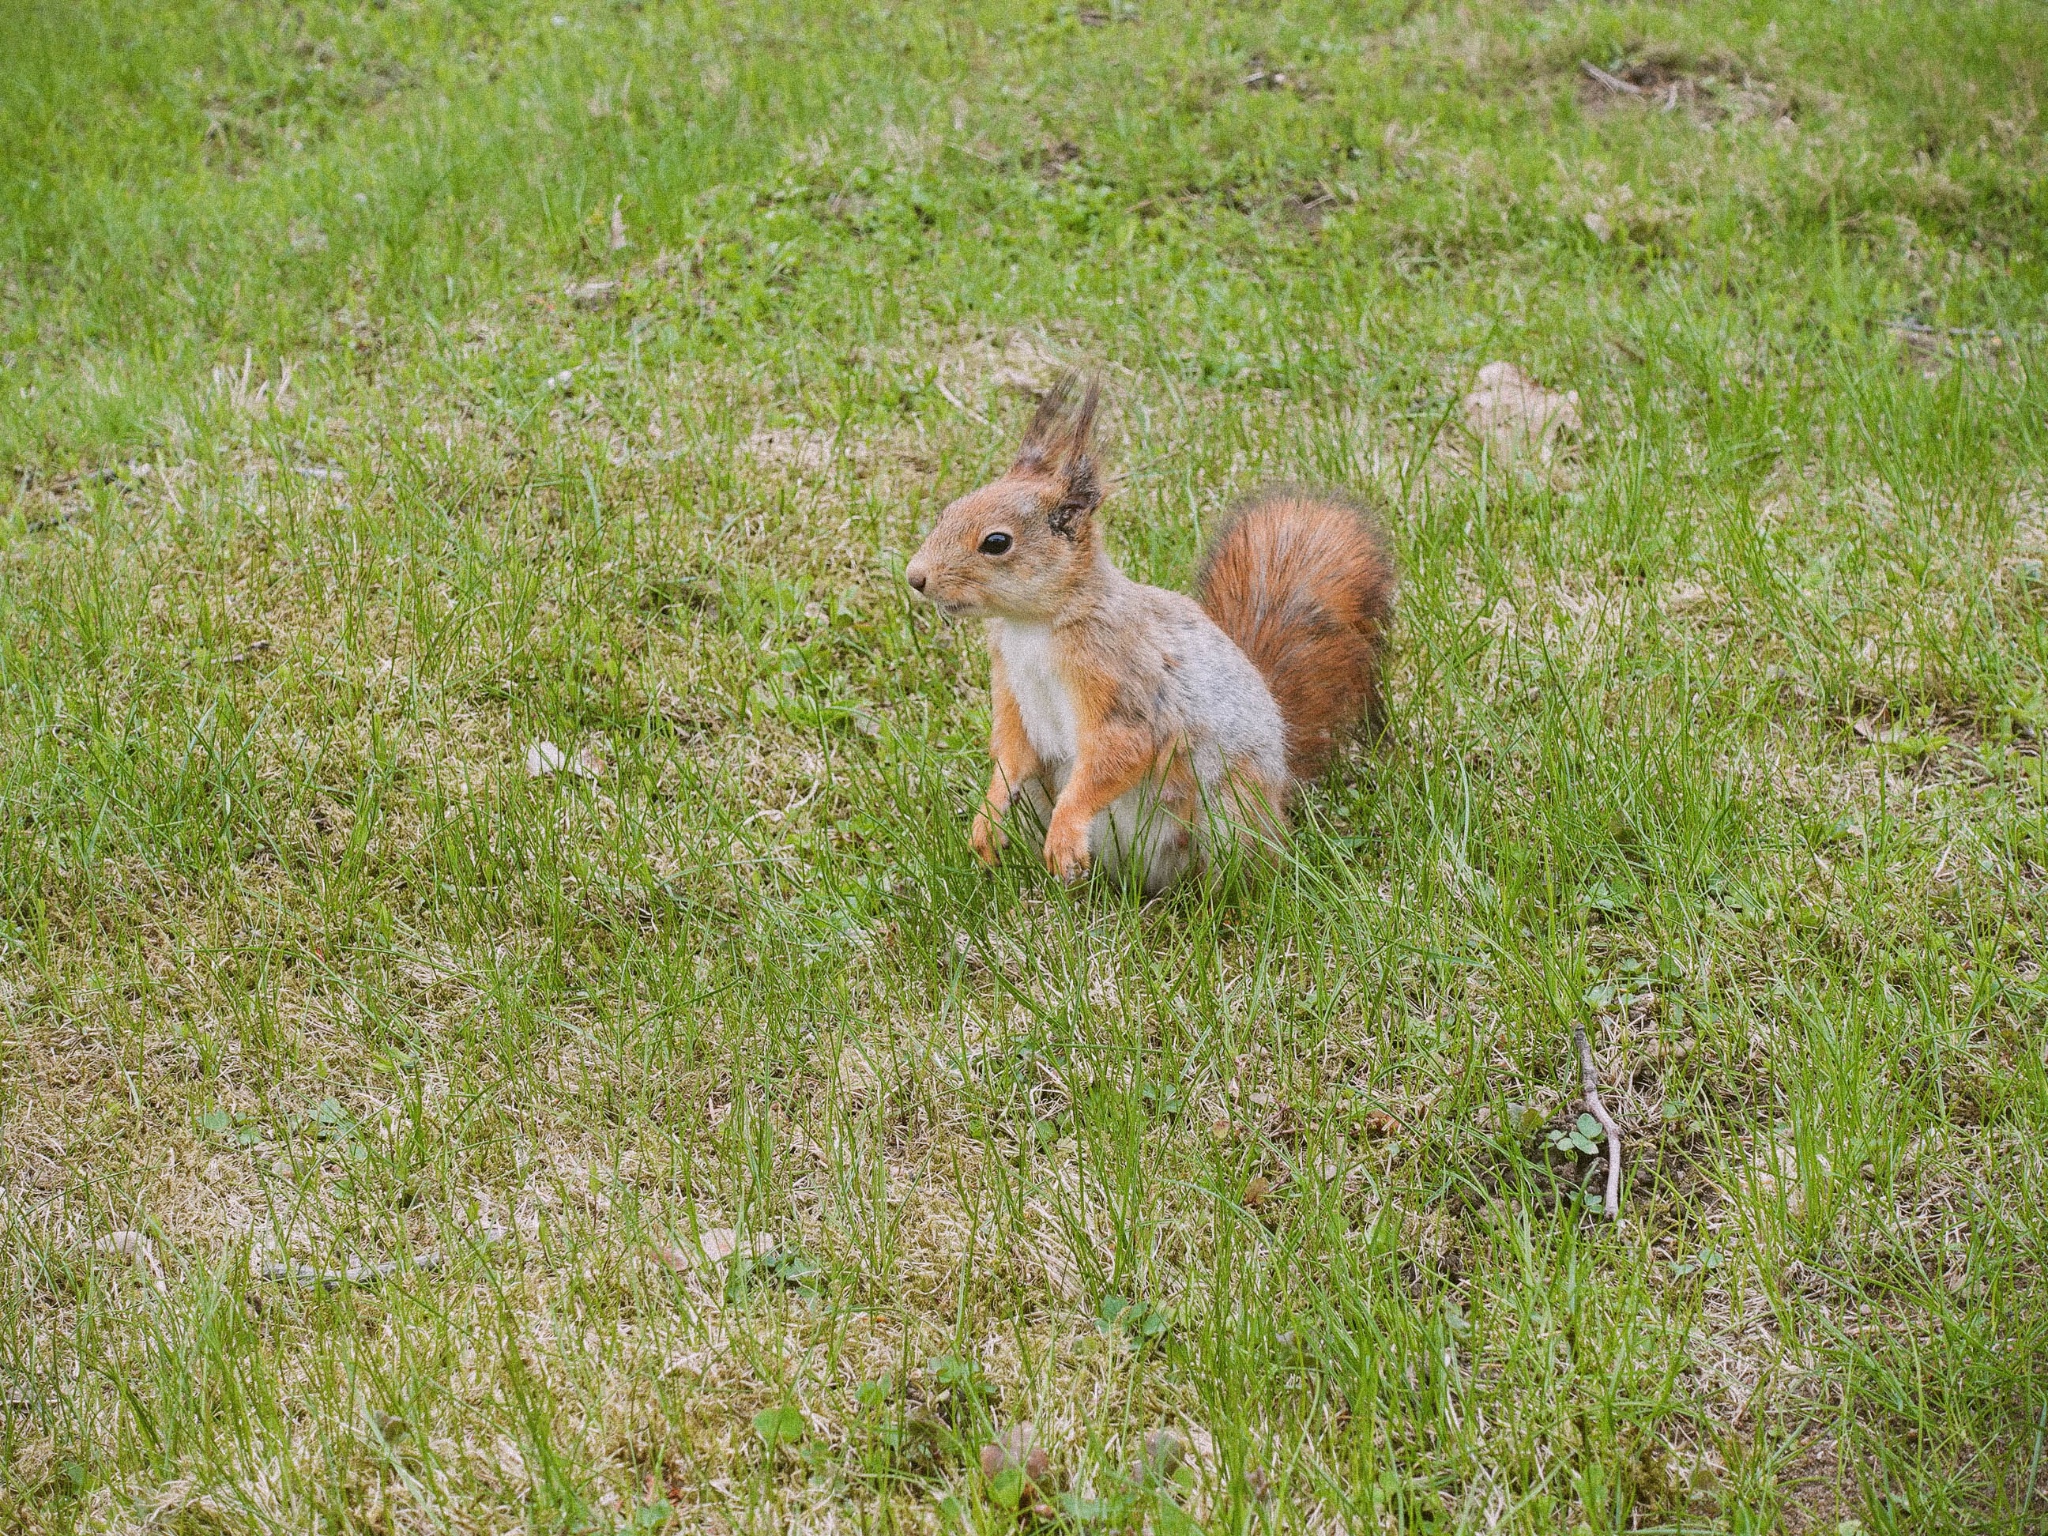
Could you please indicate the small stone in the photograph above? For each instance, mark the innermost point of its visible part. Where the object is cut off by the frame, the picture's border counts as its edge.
(132, 1245)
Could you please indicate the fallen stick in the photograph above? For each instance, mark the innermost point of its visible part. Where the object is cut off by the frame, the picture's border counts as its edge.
(335, 1279)
(960, 405)
(1612, 82)
(367, 1274)
(1589, 1084)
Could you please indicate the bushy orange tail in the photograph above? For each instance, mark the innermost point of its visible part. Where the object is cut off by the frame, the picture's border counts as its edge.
(1304, 583)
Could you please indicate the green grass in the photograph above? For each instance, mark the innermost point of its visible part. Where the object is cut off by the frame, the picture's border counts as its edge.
(1721, 735)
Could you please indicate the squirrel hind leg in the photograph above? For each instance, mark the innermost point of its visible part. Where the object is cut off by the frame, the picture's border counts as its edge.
(1243, 819)
(1145, 838)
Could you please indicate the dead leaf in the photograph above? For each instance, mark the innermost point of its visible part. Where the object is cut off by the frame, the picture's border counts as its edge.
(714, 1245)
(1017, 1449)
(1258, 1192)
(618, 230)
(1687, 596)
(544, 758)
(1517, 416)
(1379, 1123)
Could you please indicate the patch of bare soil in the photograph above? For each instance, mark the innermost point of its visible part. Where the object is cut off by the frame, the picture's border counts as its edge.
(1310, 207)
(1709, 90)
(1518, 418)
(1051, 159)
(1019, 363)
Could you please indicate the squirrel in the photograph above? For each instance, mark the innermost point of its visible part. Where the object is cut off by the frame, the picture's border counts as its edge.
(1146, 730)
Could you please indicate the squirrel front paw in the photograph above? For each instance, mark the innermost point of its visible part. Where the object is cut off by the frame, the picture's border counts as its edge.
(987, 838)
(1066, 848)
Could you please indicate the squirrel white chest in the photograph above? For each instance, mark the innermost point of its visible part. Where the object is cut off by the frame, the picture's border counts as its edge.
(1042, 698)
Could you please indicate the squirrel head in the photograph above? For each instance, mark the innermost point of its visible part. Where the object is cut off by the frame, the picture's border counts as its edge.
(1020, 547)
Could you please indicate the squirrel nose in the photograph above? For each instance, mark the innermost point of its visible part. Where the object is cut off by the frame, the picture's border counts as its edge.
(916, 579)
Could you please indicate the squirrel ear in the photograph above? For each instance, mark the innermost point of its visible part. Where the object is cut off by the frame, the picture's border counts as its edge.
(1080, 495)
(1056, 444)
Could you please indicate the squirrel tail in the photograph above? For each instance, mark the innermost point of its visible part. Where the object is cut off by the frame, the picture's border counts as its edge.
(1304, 582)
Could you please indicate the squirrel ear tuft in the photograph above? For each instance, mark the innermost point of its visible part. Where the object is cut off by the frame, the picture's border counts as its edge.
(1056, 444)
(1061, 426)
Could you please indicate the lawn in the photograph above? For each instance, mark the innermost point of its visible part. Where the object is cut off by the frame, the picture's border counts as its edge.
(500, 1027)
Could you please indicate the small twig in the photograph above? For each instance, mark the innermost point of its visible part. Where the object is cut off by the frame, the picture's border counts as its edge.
(1589, 1083)
(1921, 328)
(1612, 82)
(335, 1279)
(367, 1274)
(958, 405)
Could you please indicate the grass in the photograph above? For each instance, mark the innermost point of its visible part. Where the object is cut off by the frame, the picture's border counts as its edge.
(694, 1137)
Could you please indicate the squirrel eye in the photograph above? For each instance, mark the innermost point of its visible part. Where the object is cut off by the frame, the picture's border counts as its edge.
(996, 544)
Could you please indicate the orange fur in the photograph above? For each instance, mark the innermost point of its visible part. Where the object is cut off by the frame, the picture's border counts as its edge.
(1220, 708)
(1117, 752)
(1015, 762)
(1304, 583)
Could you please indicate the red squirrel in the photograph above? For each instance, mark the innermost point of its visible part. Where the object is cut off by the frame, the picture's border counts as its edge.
(1145, 730)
